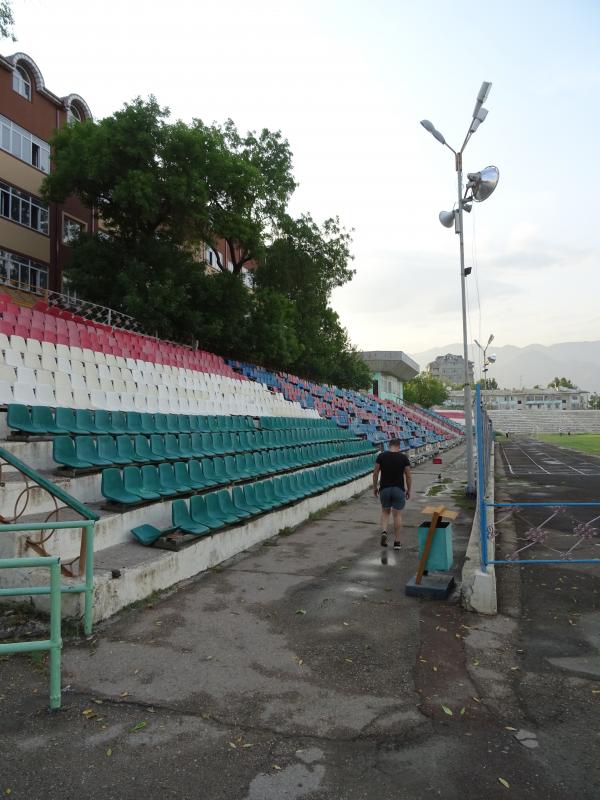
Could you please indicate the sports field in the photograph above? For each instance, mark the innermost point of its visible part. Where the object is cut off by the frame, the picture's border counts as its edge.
(586, 442)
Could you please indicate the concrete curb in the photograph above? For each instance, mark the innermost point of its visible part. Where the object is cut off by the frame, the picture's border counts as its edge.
(479, 591)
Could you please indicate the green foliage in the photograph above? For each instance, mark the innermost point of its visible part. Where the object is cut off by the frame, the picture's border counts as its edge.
(557, 383)
(425, 390)
(594, 401)
(7, 21)
(488, 383)
(162, 189)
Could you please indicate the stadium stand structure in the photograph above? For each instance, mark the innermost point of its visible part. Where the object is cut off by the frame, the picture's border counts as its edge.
(174, 448)
(545, 421)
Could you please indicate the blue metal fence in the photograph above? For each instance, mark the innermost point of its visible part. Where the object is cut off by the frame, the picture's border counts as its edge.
(534, 533)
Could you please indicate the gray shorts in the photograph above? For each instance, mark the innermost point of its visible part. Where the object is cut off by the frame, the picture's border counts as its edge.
(392, 497)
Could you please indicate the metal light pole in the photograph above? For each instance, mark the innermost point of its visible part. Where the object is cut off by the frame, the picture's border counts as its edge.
(486, 361)
(481, 185)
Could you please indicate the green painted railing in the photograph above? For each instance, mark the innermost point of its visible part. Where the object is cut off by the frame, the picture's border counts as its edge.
(55, 589)
(54, 643)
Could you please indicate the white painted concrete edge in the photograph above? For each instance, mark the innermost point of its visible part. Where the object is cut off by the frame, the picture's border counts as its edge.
(478, 590)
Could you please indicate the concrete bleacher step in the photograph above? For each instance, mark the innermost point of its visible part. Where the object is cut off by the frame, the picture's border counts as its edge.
(126, 572)
(587, 421)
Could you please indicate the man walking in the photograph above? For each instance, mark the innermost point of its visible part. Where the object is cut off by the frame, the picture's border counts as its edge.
(392, 482)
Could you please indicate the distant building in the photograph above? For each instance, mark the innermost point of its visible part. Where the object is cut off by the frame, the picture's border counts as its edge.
(527, 399)
(450, 369)
(34, 237)
(390, 369)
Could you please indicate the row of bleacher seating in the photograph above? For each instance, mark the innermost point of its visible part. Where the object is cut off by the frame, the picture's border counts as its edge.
(299, 422)
(134, 484)
(209, 512)
(40, 420)
(87, 452)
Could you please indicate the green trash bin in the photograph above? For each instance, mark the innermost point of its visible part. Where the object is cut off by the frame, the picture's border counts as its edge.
(440, 557)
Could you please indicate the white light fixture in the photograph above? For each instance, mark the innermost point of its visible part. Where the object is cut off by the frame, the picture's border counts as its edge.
(447, 218)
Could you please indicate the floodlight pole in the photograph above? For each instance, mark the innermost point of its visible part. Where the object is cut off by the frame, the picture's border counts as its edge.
(470, 490)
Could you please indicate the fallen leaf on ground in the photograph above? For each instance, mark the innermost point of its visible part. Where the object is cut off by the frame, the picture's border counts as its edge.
(109, 751)
(447, 710)
(138, 727)
(300, 611)
(508, 728)
(248, 744)
(124, 694)
(349, 660)
(462, 711)
(89, 713)
(276, 766)
(504, 782)
(233, 745)
(477, 700)
(476, 663)
(434, 669)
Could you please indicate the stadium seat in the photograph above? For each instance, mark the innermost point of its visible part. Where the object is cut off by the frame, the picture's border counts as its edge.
(86, 450)
(19, 418)
(63, 452)
(113, 489)
(146, 534)
(183, 521)
(201, 515)
(132, 483)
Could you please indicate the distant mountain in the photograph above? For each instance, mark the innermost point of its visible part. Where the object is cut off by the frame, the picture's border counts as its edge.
(536, 363)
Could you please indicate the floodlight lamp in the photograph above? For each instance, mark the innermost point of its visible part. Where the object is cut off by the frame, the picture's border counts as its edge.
(481, 114)
(447, 218)
(483, 183)
(484, 92)
(467, 207)
(492, 358)
(491, 339)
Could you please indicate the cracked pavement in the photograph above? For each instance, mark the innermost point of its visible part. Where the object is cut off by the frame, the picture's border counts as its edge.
(298, 670)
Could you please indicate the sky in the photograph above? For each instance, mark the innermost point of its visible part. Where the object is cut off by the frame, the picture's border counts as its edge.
(347, 83)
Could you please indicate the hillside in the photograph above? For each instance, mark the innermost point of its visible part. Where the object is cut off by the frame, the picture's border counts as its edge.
(535, 363)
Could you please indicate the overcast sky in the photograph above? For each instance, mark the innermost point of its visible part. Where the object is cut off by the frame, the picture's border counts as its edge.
(347, 83)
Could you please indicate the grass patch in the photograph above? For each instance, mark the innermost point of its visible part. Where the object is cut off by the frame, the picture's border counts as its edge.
(461, 499)
(322, 512)
(584, 442)
(435, 489)
(286, 531)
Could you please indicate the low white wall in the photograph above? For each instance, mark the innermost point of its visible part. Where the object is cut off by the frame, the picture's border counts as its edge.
(478, 591)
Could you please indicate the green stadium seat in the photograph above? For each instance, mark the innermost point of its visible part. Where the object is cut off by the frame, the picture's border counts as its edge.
(86, 450)
(231, 469)
(132, 483)
(239, 501)
(173, 423)
(198, 474)
(215, 503)
(107, 448)
(148, 424)
(19, 419)
(126, 450)
(65, 419)
(200, 513)
(102, 421)
(244, 469)
(157, 446)
(151, 481)
(166, 477)
(182, 520)
(160, 423)
(142, 450)
(84, 419)
(63, 452)
(112, 488)
(183, 421)
(261, 497)
(213, 424)
(208, 467)
(146, 534)
(227, 507)
(220, 472)
(43, 416)
(198, 446)
(185, 446)
(182, 477)
(253, 500)
(134, 422)
(269, 494)
(118, 422)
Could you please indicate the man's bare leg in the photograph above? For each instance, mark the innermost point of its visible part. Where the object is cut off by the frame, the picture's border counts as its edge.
(385, 518)
(397, 525)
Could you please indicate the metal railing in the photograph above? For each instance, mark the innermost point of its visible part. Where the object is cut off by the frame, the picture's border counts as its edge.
(56, 588)
(54, 643)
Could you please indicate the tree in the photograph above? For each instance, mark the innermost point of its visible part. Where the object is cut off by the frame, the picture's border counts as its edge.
(250, 182)
(143, 176)
(557, 383)
(425, 390)
(594, 401)
(7, 21)
(488, 383)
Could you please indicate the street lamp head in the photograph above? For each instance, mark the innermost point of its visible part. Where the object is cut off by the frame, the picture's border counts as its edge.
(483, 183)
(447, 218)
(481, 98)
(491, 339)
(429, 126)
(492, 358)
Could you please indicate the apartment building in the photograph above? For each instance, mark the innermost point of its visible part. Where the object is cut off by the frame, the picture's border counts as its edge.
(450, 369)
(34, 236)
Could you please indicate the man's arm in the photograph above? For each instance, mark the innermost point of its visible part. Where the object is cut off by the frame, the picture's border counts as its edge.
(407, 481)
(376, 471)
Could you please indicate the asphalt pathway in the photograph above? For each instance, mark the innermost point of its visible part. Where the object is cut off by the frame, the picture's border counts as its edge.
(299, 669)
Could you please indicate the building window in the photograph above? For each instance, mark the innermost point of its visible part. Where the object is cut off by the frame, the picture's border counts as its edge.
(23, 209)
(74, 114)
(72, 229)
(22, 272)
(22, 82)
(24, 145)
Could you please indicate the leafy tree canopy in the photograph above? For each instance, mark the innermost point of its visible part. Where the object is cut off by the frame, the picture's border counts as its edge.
(425, 390)
(557, 383)
(7, 21)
